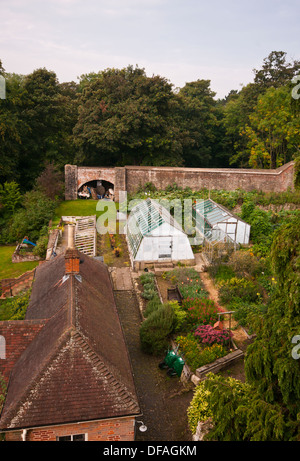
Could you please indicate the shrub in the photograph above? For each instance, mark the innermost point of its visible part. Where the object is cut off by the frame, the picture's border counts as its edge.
(206, 334)
(16, 307)
(180, 317)
(149, 294)
(147, 277)
(155, 330)
(33, 217)
(239, 288)
(244, 311)
(244, 262)
(152, 306)
(199, 409)
(41, 246)
(149, 287)
(195, 356)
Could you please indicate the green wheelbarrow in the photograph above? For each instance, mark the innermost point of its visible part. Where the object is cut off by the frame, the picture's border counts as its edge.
(177, 367)
(173, 363)
(168, 360)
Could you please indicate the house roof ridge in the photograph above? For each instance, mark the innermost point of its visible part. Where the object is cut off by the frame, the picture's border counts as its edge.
(102, 366)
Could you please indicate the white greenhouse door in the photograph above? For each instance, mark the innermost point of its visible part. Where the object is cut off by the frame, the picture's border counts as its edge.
(165, 246)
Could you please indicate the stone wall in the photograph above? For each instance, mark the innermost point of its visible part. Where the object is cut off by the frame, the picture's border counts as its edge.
(130, 178)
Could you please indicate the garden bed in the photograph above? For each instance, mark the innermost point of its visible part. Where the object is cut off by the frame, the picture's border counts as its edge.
(23, 253)
(194, 327)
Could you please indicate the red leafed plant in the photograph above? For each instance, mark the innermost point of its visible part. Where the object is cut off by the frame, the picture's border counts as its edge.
(200, 311)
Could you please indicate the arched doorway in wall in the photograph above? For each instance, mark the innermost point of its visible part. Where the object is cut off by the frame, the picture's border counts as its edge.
(96, 189)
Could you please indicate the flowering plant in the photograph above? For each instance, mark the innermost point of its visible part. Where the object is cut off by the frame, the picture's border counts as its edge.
(194, 355)
(200, 311)
(208, 335)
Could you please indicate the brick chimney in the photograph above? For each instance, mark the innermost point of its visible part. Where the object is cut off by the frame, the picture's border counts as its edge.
(72, 257)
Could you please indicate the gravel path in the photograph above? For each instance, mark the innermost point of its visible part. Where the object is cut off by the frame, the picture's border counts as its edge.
(163, 400)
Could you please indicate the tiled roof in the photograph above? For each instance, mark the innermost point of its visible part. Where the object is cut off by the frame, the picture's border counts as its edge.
(77, 367)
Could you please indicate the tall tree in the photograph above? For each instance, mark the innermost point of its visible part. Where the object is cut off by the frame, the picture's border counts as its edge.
(46, 112)
(275, 71)
(273, 130)
(199, 115)
(237, 110)
(126, 117)
(13, 128)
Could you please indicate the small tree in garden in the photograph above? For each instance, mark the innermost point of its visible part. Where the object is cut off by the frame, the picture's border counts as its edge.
(51, 182)
(10, 197)
(155, 330)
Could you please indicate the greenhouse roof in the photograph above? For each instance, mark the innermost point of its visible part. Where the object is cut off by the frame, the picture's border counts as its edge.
(208, 215)
(149, 215)
(213, 212)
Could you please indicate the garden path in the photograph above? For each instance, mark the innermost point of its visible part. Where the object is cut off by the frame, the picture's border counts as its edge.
(163, 400)
(239, 335)
(121, 278)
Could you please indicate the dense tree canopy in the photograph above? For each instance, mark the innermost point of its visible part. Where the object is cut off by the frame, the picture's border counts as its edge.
(122, 116)
(126, 117)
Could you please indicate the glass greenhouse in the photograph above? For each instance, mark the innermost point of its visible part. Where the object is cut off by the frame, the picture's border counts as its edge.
(220, 230)
(153, 235)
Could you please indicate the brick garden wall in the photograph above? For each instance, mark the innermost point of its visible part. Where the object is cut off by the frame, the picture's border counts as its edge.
(12, 287)
(104, 430)
(278, 180)
(129, 178)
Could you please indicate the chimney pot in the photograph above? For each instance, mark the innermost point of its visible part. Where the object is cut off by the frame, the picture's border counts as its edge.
(72, 257)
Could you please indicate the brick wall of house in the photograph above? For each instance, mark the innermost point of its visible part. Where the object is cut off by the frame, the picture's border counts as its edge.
(104, 430)
(18, 335)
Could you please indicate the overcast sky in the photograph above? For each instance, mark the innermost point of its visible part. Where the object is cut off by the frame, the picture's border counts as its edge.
(182, 40)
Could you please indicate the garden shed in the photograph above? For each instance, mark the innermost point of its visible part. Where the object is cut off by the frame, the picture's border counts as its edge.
(211, 218)
(153, 236)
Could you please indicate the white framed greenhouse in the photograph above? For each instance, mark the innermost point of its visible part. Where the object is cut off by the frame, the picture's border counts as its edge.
(154, 236)
(210, 215)
(219, 230)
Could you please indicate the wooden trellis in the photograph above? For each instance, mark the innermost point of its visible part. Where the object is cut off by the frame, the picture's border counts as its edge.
(86, 235)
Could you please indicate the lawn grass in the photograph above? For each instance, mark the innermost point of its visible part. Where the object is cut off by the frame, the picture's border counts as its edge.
(66, 208)
(8, 269)
(75, 208)
(81, 208)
